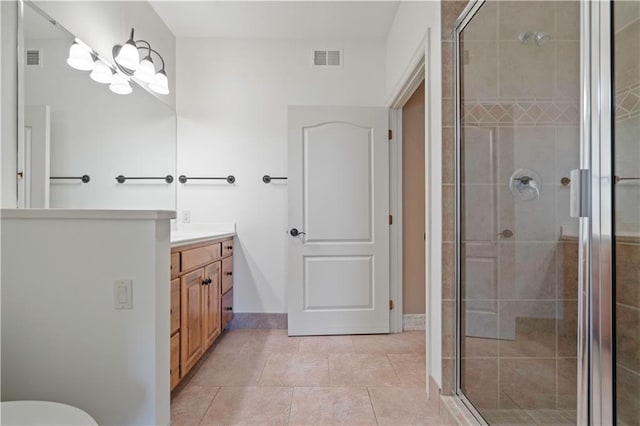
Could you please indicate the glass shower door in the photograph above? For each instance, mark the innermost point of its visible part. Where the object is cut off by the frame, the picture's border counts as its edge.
(626, 189)
(518, 138)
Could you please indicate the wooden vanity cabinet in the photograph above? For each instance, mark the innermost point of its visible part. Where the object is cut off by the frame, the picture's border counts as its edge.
(191, 341)
(198, 287)
(211, 304)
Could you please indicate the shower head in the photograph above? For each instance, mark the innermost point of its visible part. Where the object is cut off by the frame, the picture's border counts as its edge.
(524, 37)
(539, 37)
(542, 38)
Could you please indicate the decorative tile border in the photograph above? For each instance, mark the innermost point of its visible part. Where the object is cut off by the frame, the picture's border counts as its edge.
(520, 112)
(628, 102)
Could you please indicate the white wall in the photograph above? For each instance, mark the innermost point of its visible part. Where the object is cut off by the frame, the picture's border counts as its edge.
(232, 97)
(415, 33)
(62, 339)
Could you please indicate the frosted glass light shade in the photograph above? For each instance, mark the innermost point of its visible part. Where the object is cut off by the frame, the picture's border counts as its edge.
(161, 83)
(120, 85)
(146, 71)
(80, 58)
(101, 73)
(128, 56)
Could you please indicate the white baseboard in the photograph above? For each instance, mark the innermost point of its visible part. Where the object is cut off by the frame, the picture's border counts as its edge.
(412, 322)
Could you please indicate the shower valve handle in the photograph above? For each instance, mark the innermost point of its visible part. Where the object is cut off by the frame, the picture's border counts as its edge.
(507, 233)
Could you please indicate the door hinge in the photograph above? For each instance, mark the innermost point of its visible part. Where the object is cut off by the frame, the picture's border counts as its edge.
(390, 219)
(390, 134)
(391, 305)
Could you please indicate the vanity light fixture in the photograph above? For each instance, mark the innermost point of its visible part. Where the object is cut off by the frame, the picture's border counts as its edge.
(80, 57)
(102, 73)
(120, 84)
(127, 59)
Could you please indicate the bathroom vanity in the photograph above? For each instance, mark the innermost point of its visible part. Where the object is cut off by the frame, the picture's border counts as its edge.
(201, 296)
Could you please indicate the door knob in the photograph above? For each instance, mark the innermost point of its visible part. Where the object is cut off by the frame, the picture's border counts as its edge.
(294, 232)
(507, 233)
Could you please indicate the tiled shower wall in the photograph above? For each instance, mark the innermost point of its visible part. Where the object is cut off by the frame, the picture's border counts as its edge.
(527, 98)
(627, 209)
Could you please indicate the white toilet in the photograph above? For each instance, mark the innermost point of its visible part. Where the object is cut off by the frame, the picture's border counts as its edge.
(43, 413)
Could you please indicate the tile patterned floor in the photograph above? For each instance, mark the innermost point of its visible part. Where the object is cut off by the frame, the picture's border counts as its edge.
(252, 377)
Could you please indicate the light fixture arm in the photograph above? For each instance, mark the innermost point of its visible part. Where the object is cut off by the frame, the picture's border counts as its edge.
(150, 49)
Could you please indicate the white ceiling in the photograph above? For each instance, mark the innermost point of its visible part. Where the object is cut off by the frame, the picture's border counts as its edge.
(326, 20)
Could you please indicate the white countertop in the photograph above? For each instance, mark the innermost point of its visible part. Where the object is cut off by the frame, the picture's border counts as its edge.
(87, 214)
(182, 238)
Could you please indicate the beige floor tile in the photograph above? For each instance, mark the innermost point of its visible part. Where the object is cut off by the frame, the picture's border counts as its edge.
(403, 406)
(185, 419)
(238, 369)
(270, 341)
(231, 341)
(298, 369)
(331, 406)
(361, 370)
(250, 406)
(193, 398)
(410, 369)
(408, 342)
(326, 344)
(188, 407)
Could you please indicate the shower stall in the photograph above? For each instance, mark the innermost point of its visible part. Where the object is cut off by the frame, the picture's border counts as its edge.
(548, 211)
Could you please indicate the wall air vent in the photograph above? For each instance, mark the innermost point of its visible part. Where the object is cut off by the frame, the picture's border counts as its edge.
(327, 58)
(34, 58)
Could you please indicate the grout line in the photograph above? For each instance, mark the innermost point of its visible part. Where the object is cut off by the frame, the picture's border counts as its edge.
(375, 416)
(209, 406)
(293, 390)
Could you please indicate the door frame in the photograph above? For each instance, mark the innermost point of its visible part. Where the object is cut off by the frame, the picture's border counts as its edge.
(597, 232)
(395, 195)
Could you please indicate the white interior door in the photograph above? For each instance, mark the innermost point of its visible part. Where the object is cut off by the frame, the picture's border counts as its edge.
(34, 158)
(481, 235)
(338, 277)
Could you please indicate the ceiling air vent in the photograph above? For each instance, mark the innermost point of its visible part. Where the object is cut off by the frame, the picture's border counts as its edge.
(34, 58)
(327, 58)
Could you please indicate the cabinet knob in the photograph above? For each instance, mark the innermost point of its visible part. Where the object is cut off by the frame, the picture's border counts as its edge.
(228, 308)
(206, 281)
(229, 247)
(229, 273)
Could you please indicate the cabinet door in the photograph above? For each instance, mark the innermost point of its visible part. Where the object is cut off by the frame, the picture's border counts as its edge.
(211, 301)
(227, 274)
(175, 305)
(191, 342)
(175, 360)
(227, 308)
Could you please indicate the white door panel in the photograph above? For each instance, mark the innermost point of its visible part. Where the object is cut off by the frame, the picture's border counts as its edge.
(339, 197)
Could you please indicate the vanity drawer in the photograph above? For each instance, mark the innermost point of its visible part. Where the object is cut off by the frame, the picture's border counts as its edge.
(175, 305)
(175, 264)
(227, 308)
(227, 248)
(200, 256)
(227, 274)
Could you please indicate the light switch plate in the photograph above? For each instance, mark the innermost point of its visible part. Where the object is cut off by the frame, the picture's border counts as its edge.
(123, 294)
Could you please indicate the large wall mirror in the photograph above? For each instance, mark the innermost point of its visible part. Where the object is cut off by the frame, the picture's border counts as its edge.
(79, 136)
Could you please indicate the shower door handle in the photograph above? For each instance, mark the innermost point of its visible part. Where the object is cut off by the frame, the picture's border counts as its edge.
(579, 195)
